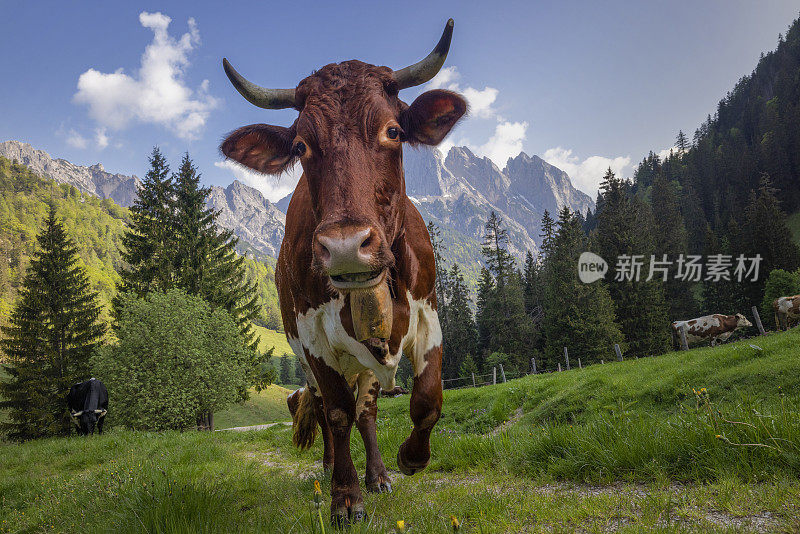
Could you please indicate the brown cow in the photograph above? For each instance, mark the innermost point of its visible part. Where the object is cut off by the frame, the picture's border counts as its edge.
(352, 234)
(715, 327)
(787, 311)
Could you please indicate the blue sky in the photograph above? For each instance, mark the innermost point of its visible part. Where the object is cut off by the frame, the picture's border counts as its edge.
(583, 84)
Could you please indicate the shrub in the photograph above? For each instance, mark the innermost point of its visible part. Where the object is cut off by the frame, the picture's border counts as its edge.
(175, 360)
(779, 283)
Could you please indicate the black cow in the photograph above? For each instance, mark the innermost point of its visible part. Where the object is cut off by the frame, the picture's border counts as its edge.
(88, 405)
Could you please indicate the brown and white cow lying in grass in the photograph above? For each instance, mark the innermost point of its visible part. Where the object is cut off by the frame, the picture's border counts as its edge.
(787, 311)
(715, 327)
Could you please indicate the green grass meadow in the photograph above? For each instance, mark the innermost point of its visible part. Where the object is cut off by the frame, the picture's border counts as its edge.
(273, 338)
(266, 406)
(705, 440)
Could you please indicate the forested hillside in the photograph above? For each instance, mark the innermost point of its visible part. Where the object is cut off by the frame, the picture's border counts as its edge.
(96, 225)
(753, 135)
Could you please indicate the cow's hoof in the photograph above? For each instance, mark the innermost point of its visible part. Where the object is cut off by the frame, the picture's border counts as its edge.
(382, 484)
(408, 467)
(343, 516)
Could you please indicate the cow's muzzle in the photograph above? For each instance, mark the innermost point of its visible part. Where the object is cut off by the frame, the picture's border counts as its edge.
(350, 255)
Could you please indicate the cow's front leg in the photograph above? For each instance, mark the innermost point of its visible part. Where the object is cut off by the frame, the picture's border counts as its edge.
(327, 437)
(340, 410)
(377, 479)
(426, 407)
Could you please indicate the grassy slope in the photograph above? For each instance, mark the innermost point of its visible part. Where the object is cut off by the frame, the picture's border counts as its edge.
(272, 338)
(635, 425)
(267, 406)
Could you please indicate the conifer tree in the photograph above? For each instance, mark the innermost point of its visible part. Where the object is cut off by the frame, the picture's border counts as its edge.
(499, 261)
(149, 244)
(52, 332)
(625, 228)
(681, 143)
(460, 335)
(484, 316)
(287, 370)
(671, 239)
(442, 289)
(206, 263)
(548, 232)
(767, 234)
(578, 316)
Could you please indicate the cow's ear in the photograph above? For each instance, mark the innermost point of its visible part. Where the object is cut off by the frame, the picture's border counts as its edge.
(432, 115)
(261, 147)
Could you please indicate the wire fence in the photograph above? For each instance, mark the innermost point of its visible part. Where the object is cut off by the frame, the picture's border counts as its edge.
(568, 361)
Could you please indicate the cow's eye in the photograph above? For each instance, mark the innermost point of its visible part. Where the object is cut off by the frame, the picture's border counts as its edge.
(393, 133)
(299, 149)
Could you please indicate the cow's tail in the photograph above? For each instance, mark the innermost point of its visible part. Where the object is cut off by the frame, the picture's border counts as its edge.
(304, 417)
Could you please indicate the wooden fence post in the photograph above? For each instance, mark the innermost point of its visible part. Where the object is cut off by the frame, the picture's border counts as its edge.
(494, 376)
(758, 321)
(684, 343)
(566, 357)
(619, 352)
(502, 372)
(559, 367)
(442, 384)
(533, 366)
(473, 380)
(602, 362)
(579, 364)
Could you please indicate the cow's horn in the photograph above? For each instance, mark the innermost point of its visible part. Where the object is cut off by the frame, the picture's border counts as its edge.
(257, 95)
(77, 414)
(421, 72)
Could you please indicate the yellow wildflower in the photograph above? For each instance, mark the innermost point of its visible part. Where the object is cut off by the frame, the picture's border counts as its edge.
(454, 523)
(401, 526)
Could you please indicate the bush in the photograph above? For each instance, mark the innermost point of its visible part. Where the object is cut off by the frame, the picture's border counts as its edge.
(780, 283)
(176, 359)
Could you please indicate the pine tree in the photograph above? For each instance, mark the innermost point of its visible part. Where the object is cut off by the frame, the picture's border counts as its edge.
(671, 239)
(206, 263)
(548, 232)
(287, 370)
(53, 331)
(577, 315)
(149, 245)
(681, 143)
(499, 261)
(460, 335)
(484, 316)
(442, 290)
(299, 373)
(625, 228)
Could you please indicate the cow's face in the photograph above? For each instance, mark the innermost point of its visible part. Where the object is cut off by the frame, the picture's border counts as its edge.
(348, 138)
(741, 321)
(88, 421)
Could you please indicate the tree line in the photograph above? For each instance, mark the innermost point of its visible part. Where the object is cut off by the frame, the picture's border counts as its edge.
(535, 309)
(180, 343)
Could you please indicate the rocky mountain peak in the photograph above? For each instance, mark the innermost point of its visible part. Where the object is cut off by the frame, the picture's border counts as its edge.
(93, 180)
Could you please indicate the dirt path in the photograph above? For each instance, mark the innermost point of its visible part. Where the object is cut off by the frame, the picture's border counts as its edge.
(253, 427)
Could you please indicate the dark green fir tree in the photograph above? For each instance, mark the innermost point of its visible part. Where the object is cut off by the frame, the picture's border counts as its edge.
(52, 332)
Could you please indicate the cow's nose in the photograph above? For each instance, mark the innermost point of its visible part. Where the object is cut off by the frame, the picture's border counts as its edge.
(346, 250)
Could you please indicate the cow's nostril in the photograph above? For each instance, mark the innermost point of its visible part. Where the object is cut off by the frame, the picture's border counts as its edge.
(366, 242)
(324, 253)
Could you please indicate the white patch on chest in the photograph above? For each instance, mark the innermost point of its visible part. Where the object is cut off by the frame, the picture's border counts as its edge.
(320, 330)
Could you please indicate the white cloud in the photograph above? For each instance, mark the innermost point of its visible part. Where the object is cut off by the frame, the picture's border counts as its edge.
(506, 142)
(664, 154)
(74, 139)
(272, 187)
(158, 94)
(586, 175)
(101, 138)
